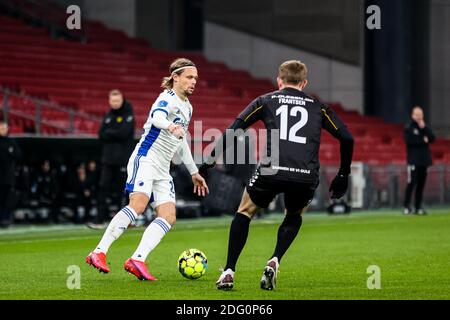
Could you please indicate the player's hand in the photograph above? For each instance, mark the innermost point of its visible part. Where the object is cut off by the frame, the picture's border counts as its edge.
(338, 186)
(421, 124)
(200, 186)
(425, 139)
(203, 170)
(176, 130)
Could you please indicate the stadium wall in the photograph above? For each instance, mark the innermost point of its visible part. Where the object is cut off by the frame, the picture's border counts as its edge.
(327, 27)
(332, 80)
(440, 66)
(117, 14)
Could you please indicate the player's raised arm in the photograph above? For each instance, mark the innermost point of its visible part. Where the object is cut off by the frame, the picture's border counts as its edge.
(337, 129)
(159, 113)
(251, 114)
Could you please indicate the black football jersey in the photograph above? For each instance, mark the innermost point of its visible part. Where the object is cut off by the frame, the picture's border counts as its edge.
(294, 122)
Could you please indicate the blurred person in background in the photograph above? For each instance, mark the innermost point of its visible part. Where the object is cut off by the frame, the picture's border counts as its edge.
(44, 190)
(9, 156)
(117, 137)
(418, 137)
(92, 172)
(84, 189)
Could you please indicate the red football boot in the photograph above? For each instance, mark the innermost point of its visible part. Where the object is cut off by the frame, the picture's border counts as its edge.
(139, 269)
(98, 261)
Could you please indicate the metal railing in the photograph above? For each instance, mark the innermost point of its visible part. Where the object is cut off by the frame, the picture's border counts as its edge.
(39, 105)
(383, 186)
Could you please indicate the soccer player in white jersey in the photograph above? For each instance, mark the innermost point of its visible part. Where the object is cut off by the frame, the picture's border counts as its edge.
(148, 171)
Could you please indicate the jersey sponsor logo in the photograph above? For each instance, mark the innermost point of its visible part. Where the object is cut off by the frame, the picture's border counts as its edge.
(288, 97)
(129, 118)
(296, 170)
(163, 103)
(108, 120)
(184, 124)
(416, 132)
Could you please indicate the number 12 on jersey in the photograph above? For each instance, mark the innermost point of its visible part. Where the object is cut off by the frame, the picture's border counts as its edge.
(283, 112)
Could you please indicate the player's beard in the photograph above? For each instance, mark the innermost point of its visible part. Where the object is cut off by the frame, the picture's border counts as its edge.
(188, 93)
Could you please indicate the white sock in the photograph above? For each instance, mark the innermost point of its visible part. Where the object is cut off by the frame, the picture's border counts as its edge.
(115, 228)
(151, 238)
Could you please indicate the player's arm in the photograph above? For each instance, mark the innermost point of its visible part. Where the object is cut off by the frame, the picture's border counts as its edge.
(16, 152)
(251, 114)
(334, 125)
(122, 131)
(102, 131)
(411, 139)
(184, 153)
(159, 113)
(429, 134)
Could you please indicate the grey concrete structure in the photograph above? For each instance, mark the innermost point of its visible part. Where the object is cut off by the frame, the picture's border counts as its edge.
(332, 80)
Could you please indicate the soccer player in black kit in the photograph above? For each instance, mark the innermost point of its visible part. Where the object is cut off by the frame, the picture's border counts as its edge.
(294, 170)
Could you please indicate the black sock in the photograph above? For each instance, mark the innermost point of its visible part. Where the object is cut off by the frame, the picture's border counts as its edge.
(238, 236)
(287, 232)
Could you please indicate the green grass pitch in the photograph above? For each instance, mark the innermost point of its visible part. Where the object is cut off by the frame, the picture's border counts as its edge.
(328, 260)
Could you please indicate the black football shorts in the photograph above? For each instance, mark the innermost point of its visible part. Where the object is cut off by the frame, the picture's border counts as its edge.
(262, 190)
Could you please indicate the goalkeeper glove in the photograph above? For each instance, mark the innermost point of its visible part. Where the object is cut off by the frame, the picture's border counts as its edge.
(339, 186)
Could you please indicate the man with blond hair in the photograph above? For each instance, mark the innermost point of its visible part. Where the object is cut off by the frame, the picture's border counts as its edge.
(149, 179)
(291, 165)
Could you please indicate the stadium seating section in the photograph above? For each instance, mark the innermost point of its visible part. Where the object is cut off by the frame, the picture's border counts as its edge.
(79, 76)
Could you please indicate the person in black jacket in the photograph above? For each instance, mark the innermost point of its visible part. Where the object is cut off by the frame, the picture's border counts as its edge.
(418, 137)
(9, 155)
(290, 165)
(117, 136)
(44, 192)
(85, 192)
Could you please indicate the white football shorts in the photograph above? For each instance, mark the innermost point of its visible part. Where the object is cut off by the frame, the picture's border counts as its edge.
(141, 179)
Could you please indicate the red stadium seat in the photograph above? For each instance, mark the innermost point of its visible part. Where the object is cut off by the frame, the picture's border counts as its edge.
(79, 76)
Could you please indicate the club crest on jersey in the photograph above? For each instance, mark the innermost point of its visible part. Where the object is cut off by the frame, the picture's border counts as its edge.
(163, 103)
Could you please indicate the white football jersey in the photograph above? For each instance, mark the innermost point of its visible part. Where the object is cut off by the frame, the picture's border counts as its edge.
(158, 146)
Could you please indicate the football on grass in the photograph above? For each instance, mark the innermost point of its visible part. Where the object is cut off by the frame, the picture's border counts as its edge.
(192, 264)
